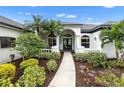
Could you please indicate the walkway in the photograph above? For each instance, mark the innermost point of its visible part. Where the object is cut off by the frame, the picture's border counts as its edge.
(65, 76)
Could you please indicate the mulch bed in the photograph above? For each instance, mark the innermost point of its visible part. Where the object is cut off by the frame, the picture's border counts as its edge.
(42, 63)
(85, 80)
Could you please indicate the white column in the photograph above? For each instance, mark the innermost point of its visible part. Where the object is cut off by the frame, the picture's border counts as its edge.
(78, 46)
(57, 41)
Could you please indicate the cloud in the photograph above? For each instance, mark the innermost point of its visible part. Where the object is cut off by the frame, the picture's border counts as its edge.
(109, 6)
(61, 15)
(66, 15)
(27, 13)
(20, 13)
(89, 18)
(70, 16)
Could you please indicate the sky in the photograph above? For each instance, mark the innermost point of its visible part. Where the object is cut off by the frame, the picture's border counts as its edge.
(79, 14)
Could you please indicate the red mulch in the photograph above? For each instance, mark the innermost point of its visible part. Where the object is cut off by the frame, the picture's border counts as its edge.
(83, 80)
(42, 63)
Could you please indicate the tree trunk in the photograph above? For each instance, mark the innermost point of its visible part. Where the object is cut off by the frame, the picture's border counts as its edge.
(37, 31)
(117, 54)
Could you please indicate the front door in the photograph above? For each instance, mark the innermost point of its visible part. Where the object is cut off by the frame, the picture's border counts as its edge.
(67, 43)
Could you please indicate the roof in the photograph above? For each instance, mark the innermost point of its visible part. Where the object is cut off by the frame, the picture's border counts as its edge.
(71, 23)
(99, 27)
(9, 22)
(85, 28)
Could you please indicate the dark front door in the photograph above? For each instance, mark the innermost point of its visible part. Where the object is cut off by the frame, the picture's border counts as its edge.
(67, 43)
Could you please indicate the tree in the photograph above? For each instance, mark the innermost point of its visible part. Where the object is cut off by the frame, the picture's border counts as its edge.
(35, 25)
(53, 27)
(29, 45)
(114, 35)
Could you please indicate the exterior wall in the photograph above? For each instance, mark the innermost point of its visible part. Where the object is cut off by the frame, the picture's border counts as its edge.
(109, 49)
(95, 41)
(77, 32)
(73, 39)
(5, 52)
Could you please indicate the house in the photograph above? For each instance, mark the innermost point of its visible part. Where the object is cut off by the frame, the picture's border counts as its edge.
(9, 30)
(77, 37)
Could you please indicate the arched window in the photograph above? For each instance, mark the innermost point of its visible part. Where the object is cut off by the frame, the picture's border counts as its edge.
(51, 40)
(85, 41)
(68, 35)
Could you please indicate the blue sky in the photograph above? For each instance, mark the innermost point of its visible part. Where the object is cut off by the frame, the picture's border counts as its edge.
(81, 14)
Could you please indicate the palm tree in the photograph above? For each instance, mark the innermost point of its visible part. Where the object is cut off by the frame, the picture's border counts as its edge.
(53, 27)
(35, 25)
(115, 36)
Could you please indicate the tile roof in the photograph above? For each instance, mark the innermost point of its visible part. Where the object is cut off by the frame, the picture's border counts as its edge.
(9, 22)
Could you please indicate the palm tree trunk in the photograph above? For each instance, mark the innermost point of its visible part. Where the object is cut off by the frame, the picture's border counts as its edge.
(37, 30)
(117, 54)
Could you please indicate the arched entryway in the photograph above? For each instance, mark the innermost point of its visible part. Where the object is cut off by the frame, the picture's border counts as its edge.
(68, 40)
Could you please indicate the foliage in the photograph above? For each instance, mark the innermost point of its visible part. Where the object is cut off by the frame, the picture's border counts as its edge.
(29, 45)
(32, 77)
(115, 36)
(6, 82)
(51, 65)
(81, 57)
(109, 79)
(7, 71)
(29, 62)
(113, 63)
(96, 59)
(53, 27)
(50, 55)
(34, 25)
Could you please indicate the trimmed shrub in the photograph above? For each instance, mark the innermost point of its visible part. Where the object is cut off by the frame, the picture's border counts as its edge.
(29, 62)
(7, 71)
(6, 82)
(97, 59)
(109, 79)
(50, 55)
(33, 76)
(81, 57)
(51, 65)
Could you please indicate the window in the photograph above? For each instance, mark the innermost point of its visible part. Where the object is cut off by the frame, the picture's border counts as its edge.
(68, 35)
(51, 41)
(6, 42)
(85, 41)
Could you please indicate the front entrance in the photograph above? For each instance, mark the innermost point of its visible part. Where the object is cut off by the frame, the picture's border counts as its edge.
(67, 43)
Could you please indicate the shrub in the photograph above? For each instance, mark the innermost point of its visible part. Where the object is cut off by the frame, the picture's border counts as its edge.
(29, 45)
(7, 71)
(110, 80)
(51, 65)
(82, 57)
(50, 55)
(113, 63)
(33, 76)
(29, 62)
(6, 82)
(97, 59)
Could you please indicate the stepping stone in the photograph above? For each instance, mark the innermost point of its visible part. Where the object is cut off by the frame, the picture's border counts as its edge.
(90, 74)
(100, 72)
(82, 67)
(82, 71)
(122, 75)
